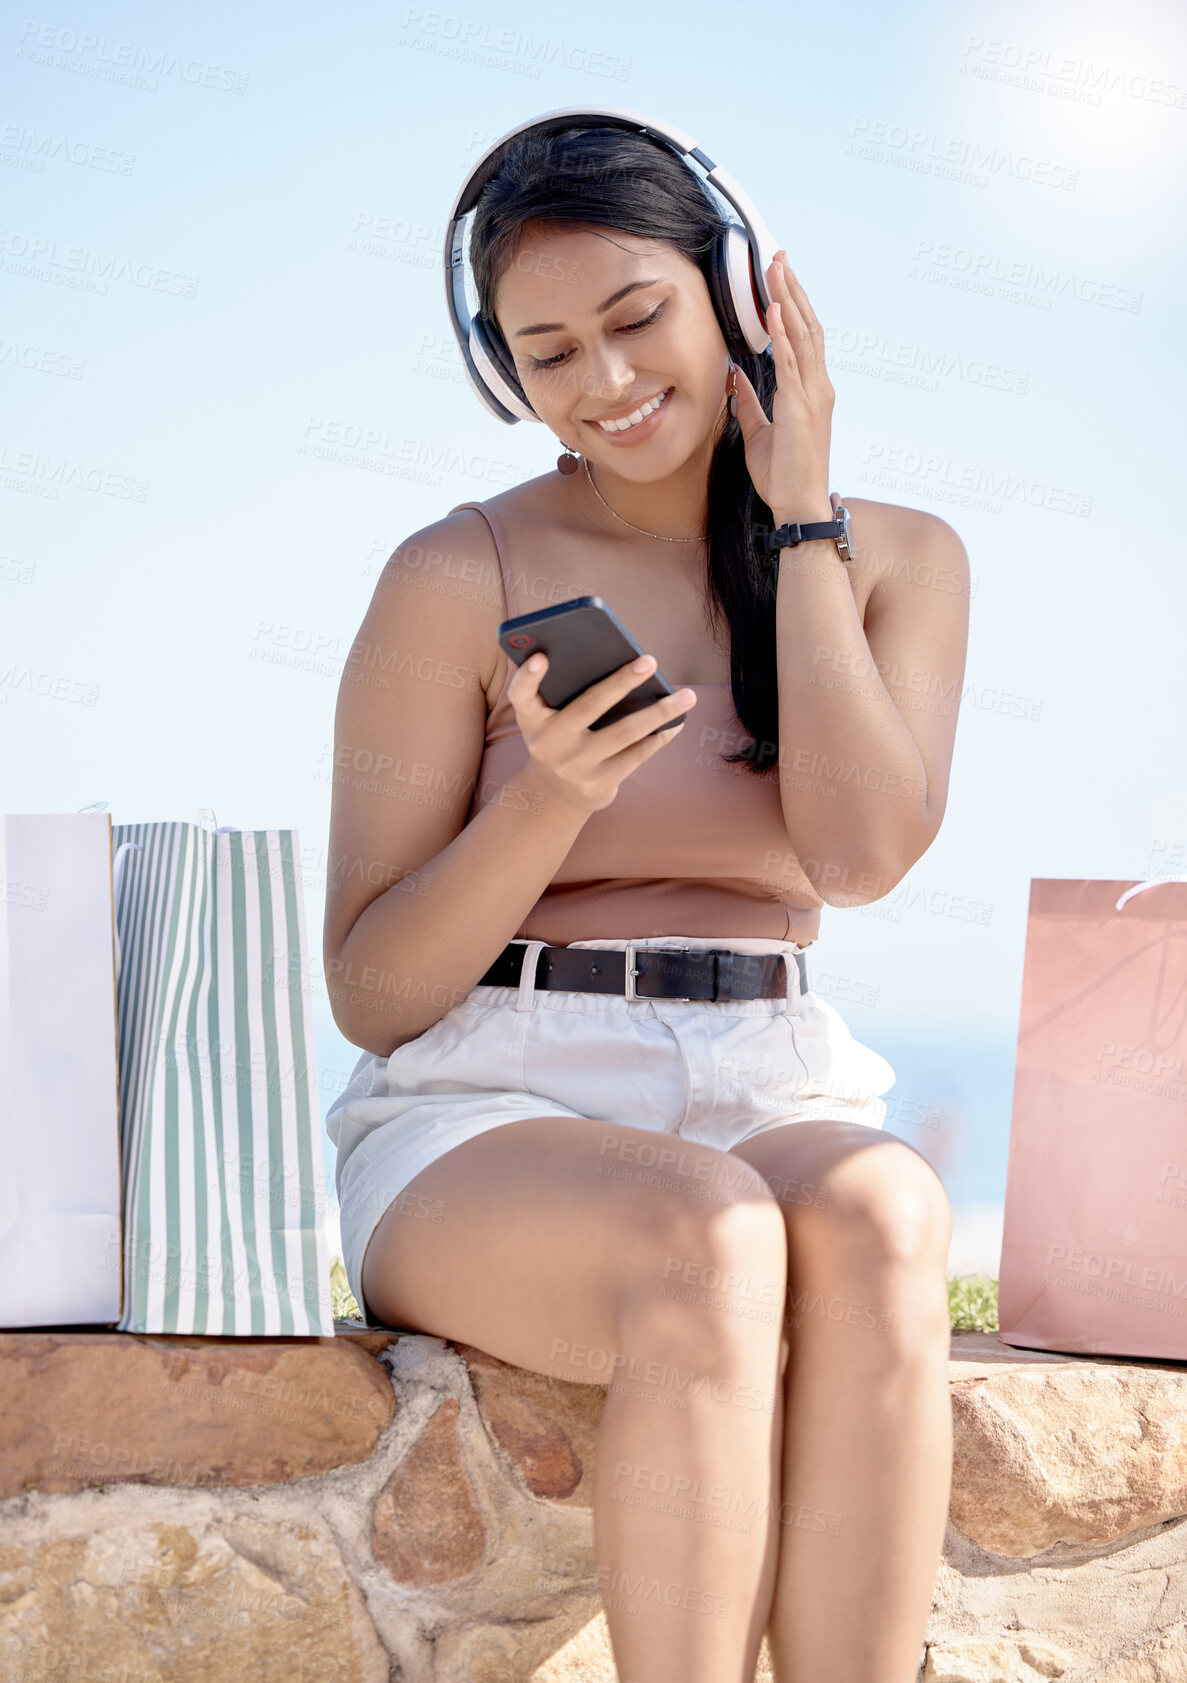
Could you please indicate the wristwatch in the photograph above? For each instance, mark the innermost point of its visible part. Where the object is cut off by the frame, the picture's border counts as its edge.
(786, 537)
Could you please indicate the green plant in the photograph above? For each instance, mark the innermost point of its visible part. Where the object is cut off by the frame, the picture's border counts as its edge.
(972, 1303)
(341, 1297)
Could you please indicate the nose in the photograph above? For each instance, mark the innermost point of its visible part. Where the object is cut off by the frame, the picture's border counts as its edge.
(608, 376)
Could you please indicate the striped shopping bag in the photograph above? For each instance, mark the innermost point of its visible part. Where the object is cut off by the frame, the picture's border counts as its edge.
(224, 1190)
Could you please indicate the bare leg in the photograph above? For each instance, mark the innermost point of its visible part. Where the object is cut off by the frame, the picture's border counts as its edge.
(558, 1253)
(868, 1421)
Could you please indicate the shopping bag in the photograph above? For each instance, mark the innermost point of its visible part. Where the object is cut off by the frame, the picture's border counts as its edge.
(59, 1112)
(1094, 1252)
(224, 1190)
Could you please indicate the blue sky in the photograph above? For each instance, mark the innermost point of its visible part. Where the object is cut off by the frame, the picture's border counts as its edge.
(985, 206)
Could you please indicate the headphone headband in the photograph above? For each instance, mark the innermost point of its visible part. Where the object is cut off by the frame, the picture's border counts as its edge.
(738, 267)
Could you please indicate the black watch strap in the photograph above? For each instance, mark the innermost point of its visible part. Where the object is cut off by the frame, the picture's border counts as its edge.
(784, 537)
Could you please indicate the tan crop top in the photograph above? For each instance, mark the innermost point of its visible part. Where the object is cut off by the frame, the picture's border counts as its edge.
(689, 845)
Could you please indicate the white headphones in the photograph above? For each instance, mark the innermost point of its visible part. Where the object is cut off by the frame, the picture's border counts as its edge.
(736, 269)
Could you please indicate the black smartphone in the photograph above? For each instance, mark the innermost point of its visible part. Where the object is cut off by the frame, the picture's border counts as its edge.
(585, 641)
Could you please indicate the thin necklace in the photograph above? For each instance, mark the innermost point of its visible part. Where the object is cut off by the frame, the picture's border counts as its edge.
(634, 528)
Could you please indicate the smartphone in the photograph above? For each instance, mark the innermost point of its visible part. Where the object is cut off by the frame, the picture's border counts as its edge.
(585, 641)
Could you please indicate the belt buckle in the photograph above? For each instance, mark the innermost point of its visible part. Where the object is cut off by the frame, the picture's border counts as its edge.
(679, 999)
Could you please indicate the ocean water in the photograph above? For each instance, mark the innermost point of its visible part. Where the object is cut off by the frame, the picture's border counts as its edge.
(952, 1101)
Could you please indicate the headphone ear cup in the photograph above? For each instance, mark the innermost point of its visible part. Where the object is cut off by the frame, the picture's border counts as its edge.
(735, 297)
(492, 344)
(486, 344)
(717, 277)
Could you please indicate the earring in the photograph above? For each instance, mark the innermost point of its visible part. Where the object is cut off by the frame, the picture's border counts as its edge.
(732, 389)
(568, 463)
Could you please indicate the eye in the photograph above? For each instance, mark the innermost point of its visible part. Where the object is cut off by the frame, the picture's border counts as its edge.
(631, 327)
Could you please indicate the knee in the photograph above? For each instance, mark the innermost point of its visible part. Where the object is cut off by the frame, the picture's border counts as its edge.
(888, 1206)
(739, 1226)
(724, 1253)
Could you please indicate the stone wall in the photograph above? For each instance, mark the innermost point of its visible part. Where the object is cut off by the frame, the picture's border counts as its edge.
(375, 1506)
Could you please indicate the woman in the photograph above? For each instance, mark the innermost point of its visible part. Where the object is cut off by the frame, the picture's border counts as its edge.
(763, 1290)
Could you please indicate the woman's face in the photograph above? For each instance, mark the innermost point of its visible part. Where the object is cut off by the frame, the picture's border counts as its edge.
(558, 305)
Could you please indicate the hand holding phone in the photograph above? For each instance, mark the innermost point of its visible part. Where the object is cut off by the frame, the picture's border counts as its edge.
(588, 717)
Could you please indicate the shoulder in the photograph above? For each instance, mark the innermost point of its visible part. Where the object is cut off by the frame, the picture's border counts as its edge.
(441, 589)
(515, 502)
(531, 503)
(528, 496)
(900, 549)
(445, 579)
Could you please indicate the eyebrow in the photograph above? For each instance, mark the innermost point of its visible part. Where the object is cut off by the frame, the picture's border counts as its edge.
(556, 326)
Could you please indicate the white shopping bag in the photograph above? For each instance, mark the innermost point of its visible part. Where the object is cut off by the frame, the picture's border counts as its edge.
(59, 1112)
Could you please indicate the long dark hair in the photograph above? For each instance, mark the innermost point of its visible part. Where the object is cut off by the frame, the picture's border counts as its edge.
(613, 178)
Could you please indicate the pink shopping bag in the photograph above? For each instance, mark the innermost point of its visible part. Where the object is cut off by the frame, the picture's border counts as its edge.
(1094, 1252)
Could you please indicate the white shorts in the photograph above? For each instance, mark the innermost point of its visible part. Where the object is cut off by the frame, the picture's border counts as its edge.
(710, 1072)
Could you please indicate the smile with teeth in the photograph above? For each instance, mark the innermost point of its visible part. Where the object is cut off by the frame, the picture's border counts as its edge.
(637, 415)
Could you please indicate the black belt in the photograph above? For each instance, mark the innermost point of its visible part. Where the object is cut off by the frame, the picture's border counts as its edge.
(686, 973)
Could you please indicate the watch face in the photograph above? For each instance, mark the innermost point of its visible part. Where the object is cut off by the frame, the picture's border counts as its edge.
(845, 543)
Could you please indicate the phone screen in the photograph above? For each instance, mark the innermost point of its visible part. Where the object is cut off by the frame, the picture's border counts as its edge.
(585, 641)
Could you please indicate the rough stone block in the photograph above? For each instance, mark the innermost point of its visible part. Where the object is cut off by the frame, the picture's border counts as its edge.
(86, 1409)
(239, 1598)
(427, 1526)
(1073, 1450)
(547, 1428)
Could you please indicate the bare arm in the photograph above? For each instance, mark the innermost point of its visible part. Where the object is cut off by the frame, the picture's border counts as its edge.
(421, 945)
(867, 713)
(418, 902)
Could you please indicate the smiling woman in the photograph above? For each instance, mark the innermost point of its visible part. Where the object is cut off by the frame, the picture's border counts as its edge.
(645, 363)
(542, 989)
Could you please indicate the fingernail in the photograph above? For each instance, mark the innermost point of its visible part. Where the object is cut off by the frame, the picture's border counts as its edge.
(642, 664)
(686, 698)
(535, 663)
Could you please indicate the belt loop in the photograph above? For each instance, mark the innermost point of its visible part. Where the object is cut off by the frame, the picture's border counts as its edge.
(527, 976)
(796, 962)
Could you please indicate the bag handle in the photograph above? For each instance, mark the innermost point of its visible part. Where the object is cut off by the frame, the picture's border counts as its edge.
(1141, 887)
(117, 877)
(117, 864)
(206, 817)
(117, 871)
